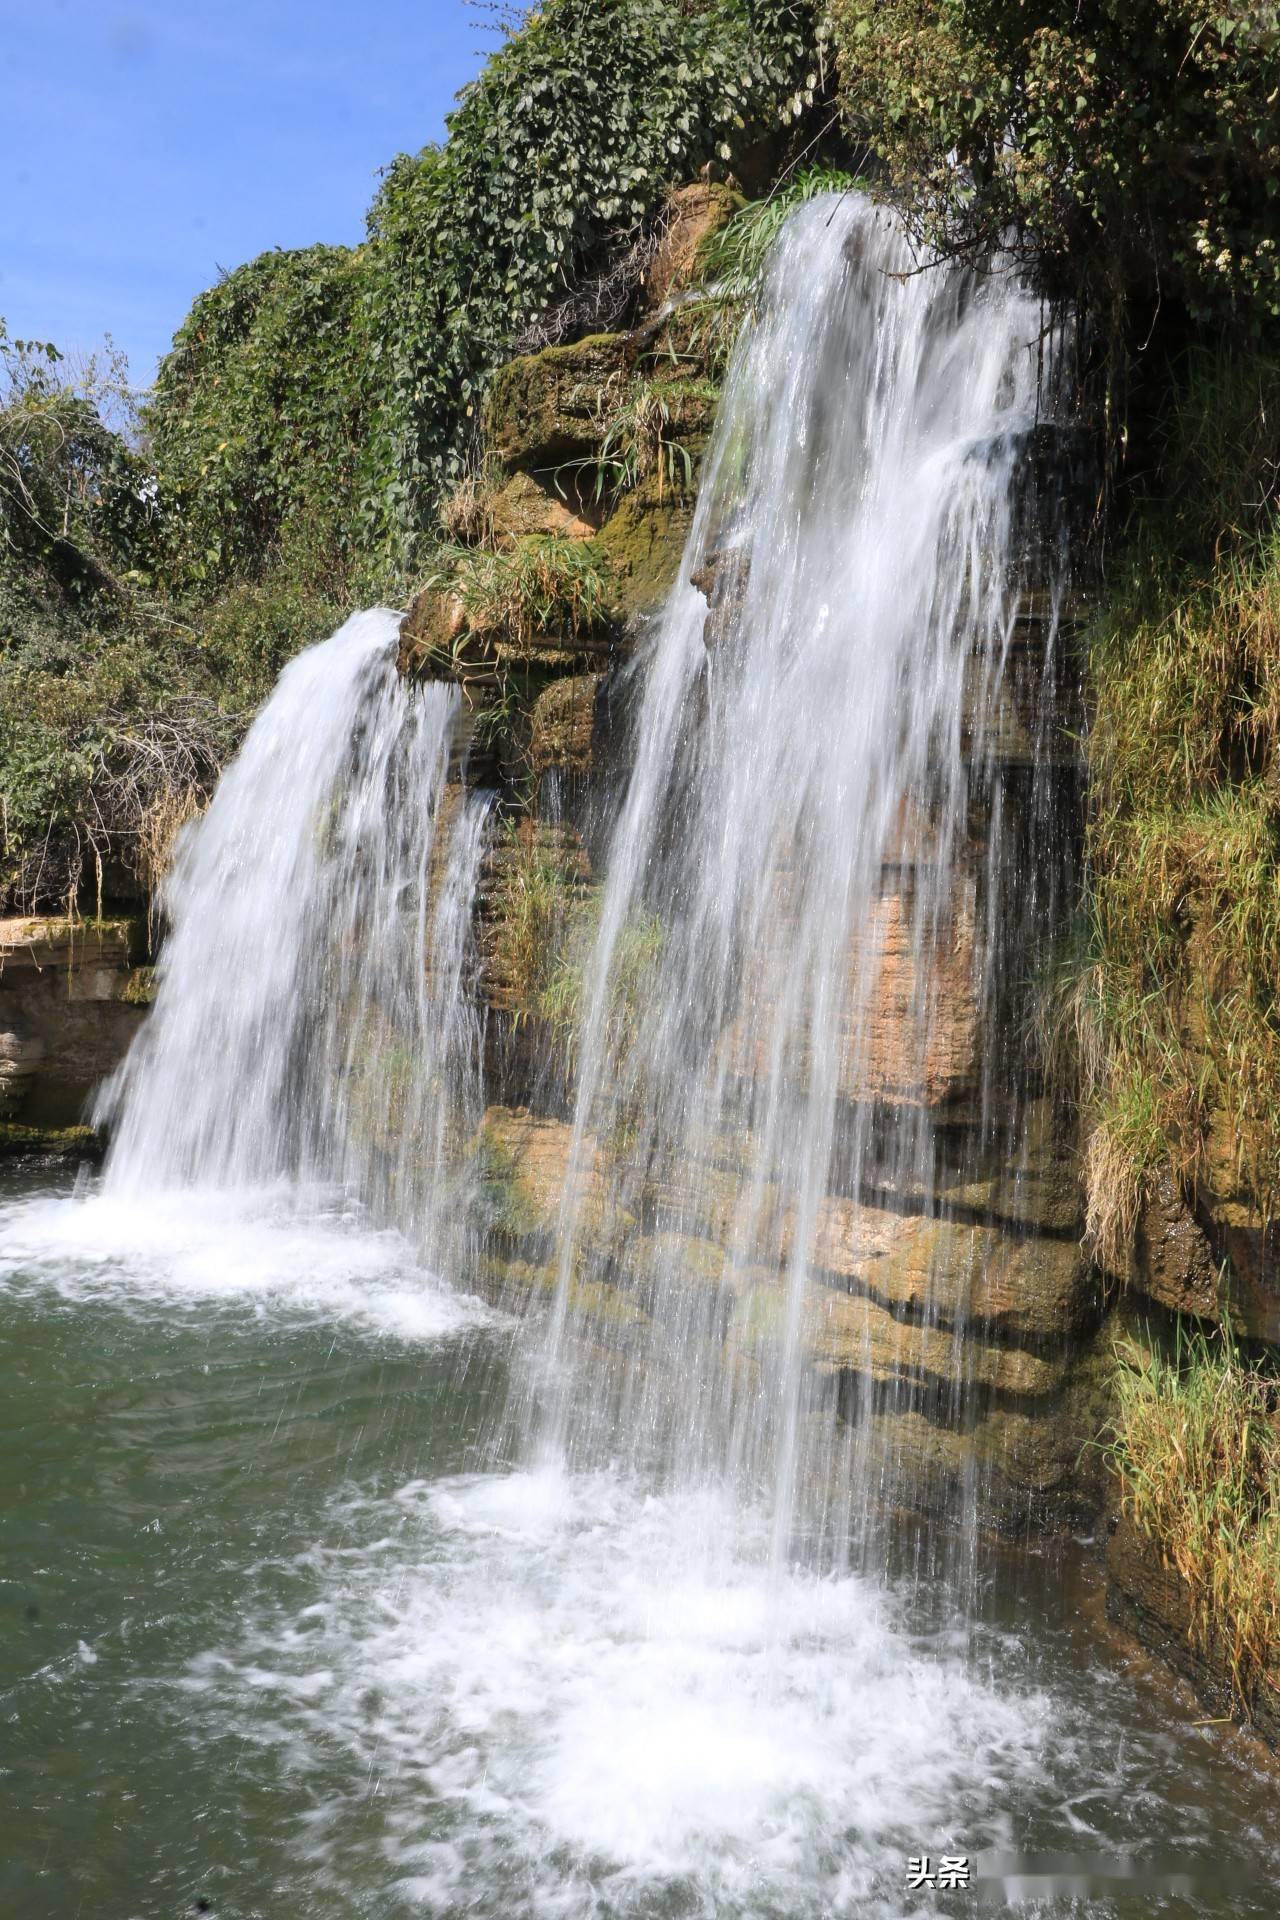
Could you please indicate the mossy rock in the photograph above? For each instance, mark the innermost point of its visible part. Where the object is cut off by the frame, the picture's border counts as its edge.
(548, 409)
(694, 214)
(565, 726)
(49, 1143)
(643, 544)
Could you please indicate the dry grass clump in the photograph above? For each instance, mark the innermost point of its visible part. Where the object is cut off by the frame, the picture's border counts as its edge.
(467, 516)
(1197, 1448)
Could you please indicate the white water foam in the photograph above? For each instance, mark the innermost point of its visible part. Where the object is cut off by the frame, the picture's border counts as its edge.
(273, 1252)
(563, 1695)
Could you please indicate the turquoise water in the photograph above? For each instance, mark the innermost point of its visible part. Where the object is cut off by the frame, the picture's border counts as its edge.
(278, 1639)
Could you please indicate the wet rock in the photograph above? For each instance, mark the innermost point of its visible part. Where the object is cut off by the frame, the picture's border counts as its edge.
(643, 543)
(1148, 1598)
(430, 633)
(854, 1334)
(919, 1041)
(21, 1052)
(979, 1279)
(67, 1017)
(566, 727)
(1174, 1262)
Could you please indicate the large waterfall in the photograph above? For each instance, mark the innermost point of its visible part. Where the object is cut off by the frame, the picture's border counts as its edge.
(813, 863)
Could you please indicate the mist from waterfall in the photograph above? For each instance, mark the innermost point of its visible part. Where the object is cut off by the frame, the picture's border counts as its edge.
(813, 833)
(312, 1032)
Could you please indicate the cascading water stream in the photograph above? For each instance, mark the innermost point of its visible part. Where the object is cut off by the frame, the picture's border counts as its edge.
(311, 1034)
(812, 832)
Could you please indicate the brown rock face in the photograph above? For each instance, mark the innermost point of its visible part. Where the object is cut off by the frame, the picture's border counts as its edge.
(694, 213)
(523, 506)
(66, 1020)
(975, 1277)
(429, 634)
(853, 1335)
(916, 1039)
(565, 730)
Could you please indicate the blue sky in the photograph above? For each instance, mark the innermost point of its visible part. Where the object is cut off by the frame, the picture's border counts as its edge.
(144, 147)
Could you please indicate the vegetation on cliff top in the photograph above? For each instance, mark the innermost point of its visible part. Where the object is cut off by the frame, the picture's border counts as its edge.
(155, 570)
(343, 388)
(1130, 145)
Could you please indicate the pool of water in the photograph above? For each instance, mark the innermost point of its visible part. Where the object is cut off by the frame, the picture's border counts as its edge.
(279, 1636)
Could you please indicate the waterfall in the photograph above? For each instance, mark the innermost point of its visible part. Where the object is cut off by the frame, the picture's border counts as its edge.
(802, 921)
(309, 1008)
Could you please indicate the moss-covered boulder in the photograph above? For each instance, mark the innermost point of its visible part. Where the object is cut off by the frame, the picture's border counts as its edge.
(525, 506)
(643, 542)
(547, 409)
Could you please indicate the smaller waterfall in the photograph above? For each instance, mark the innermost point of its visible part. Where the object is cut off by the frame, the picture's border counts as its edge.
(308, 1013)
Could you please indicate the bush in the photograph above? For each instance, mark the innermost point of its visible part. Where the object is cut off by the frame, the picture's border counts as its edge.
(1129, 144)
(259, 419)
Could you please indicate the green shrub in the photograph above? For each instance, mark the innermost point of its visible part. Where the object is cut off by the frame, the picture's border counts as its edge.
(259, 419)
(1129, 143)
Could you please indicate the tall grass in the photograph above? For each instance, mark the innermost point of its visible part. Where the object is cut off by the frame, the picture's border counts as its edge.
(1173, 1003)
(539, 585)
(1196, 1445)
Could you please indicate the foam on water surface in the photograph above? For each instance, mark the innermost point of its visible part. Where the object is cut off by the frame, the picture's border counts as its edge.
(276, 1252)
(571, 1690)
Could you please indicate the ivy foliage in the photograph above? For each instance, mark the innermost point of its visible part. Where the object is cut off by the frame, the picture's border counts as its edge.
(258, 418)
(1131, 144)
(339, 390)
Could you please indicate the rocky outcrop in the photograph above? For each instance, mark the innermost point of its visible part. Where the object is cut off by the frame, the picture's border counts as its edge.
(69, 1009)
(1173, 1261)
(526, 506)
(694, 214)
(548, 409)
(569, 728)
(642, 543)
